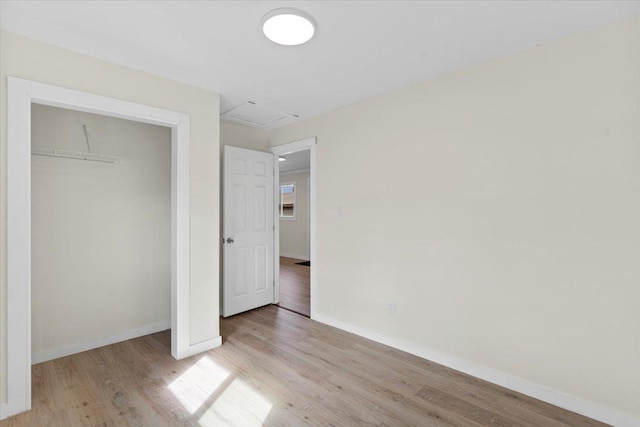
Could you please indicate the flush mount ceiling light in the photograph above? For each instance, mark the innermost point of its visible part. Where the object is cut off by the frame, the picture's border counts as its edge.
(281, 159)
(288, 27)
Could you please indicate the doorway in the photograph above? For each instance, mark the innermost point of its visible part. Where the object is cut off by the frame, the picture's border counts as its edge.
(295, 197)
(293, 217)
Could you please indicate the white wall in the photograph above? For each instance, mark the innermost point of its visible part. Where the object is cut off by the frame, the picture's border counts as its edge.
(294, 239)
(499, 207)
(27, 59)
(101, 241)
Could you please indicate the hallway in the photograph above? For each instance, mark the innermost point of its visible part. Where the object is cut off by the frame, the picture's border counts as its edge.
(295, 292)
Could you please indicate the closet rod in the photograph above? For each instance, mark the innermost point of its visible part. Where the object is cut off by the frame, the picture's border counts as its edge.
(78, 155)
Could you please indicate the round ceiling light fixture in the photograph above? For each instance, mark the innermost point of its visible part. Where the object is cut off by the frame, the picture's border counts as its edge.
(288, 27)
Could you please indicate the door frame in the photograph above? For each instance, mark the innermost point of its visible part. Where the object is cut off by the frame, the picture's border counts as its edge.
(279, 150)
(21, 94)
(308, 242)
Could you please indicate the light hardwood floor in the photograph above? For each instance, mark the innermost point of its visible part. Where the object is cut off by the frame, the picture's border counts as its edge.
(275, 368)
(295, 292)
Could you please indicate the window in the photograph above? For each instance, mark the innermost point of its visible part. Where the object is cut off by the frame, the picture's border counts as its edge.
(288, 200)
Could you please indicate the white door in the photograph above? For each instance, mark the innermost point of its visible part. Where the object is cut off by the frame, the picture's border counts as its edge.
(248, 230)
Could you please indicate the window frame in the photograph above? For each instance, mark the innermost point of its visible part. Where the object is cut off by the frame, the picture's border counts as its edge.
(294, 184)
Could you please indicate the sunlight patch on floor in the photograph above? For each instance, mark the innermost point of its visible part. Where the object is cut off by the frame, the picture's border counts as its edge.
(212, 394)
(238, 405)
(196, 385)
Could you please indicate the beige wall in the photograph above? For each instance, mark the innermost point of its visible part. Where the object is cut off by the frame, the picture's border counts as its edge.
(100, 233)
(24, 58)
(293, 233)
(243, 136)
(517, 242)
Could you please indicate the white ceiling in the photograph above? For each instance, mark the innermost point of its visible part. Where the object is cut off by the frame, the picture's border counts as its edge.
(361, 48)
(297, 161)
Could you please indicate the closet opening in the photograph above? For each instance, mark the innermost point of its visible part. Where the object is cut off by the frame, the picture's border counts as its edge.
(22, 96)
(100, 231)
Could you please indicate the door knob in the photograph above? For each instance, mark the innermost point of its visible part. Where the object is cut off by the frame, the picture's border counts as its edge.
(230, 240)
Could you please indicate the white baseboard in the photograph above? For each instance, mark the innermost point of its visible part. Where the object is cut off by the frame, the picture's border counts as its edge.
(56, 353)
(201, 347)
(571, 403)
(295, 256)
(3, 411)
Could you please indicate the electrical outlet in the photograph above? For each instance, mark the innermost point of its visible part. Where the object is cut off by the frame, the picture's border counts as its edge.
(340, 212)
(391, 307)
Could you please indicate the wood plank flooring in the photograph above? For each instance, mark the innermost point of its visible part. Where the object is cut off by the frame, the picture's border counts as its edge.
(295, 292)
(275, 368)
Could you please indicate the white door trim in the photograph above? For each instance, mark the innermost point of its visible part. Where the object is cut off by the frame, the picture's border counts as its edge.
(279, 150)
(20, 95)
